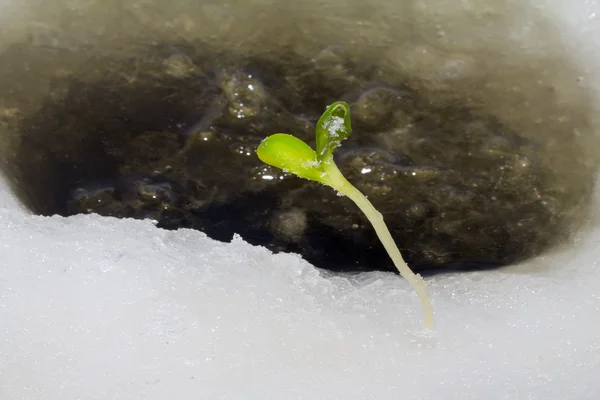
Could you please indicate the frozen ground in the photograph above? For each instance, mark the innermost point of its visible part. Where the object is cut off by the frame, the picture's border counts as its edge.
(95, 308)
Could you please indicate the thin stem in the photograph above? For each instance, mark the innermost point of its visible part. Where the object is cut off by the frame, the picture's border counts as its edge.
(341, 184)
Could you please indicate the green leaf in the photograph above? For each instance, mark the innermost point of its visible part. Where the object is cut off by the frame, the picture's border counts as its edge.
(333, 127)
(292, 155)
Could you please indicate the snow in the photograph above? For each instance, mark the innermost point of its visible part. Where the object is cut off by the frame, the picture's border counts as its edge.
(101, 308)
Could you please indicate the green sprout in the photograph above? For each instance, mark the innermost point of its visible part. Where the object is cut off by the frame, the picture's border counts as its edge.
(292, 155)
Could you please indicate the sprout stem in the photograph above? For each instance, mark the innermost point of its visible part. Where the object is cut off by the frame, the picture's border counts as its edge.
(341, 184)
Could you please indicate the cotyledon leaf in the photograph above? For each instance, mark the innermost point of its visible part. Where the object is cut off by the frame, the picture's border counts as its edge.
(333, 127)
(290, 154)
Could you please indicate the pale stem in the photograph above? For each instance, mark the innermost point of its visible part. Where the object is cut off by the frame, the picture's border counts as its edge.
(341, 184)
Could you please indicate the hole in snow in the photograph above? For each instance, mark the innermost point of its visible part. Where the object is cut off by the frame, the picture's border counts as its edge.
(474, 161)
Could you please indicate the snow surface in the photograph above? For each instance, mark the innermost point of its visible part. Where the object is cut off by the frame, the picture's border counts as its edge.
(100, 308)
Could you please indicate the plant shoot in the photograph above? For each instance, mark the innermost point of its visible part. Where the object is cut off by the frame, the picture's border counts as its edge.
(291, 154)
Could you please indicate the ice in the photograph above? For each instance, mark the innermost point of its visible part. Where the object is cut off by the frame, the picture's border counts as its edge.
(334, 125)
(100, 308)
(7, 200)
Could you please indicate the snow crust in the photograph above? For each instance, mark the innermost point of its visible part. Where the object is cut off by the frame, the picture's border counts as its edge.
(100, 308)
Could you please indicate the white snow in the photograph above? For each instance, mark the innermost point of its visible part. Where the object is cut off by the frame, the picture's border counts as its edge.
(100, 308)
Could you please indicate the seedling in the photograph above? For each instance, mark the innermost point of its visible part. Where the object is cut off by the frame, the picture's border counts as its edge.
(292, 155)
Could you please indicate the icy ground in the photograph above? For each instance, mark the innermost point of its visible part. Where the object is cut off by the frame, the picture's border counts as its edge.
(95, 308)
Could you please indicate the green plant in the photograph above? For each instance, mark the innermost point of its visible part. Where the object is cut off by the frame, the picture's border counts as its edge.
(292, 155)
